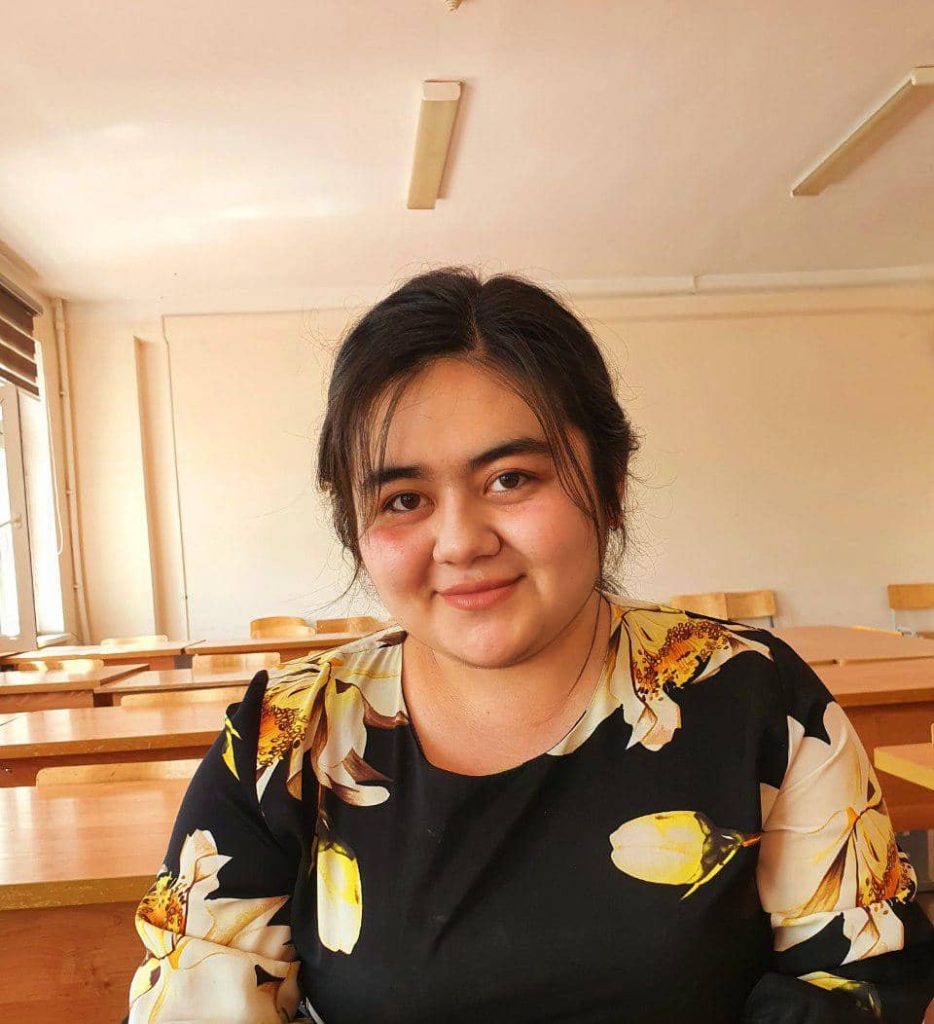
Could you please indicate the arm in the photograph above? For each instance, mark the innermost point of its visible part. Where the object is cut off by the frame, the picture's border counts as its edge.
(215, 921)
(850, 943)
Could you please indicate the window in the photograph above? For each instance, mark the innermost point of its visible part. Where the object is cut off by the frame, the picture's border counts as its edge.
(17, 613)
(30, 530)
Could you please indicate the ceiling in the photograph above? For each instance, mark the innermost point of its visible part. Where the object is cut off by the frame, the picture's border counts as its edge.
(199, 156)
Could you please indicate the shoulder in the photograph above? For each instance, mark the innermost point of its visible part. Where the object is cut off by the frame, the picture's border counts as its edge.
(311, 700)
(663, 654)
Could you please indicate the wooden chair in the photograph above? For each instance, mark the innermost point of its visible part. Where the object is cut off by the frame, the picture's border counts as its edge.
(179, 698)
(74, 665)
(133, 641)
(354, 624)
(909, 597)
(133, 771)
(742, 604)
(234, 662)
(280, 625)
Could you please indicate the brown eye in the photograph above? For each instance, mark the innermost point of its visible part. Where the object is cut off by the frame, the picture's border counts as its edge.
(404, 494)
(514, 473)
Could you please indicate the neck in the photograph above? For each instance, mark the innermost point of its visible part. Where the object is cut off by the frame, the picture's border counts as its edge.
(534, 691)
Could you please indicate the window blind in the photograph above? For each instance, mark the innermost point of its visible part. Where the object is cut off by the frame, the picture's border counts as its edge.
(17, 342)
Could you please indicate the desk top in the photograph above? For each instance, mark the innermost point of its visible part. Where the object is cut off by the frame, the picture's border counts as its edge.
(171, 680)
(913, 762)
(106, 730)
(72, 845)
(162, 648)
(313, 642)
(880, 682)
(823, 645)
(50, 682)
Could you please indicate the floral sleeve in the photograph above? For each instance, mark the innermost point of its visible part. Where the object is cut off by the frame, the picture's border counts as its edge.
(214, 923)
(839, 891)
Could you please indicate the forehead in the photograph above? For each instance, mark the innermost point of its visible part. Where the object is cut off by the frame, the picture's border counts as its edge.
(451, 409)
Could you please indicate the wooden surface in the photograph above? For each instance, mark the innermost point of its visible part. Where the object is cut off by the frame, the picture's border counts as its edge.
(43, 739)
(75, 845)
(39, 691)
(889, 703)
(293, 646)
(828, 644)
(169, 681)
(159, 655)
(74, 864)
(157, 649)
(70, 964)
(879, 682)
(913, 762)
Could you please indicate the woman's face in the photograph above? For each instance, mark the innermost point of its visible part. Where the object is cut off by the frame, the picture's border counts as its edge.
(447, 522)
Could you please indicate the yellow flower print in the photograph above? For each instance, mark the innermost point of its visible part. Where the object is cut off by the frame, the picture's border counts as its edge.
(829, 818)
(230, 941)
(340, 895)
(229, 733)
(323, 709)
(675, 848)
(654, 649)
(863, 993)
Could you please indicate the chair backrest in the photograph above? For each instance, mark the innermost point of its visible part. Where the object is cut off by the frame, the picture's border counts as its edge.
(737, 604)
(713, 604)
(905, 597)
(751, 604)
(910, 597)
(132, 771)
(353, 624)
(278, 625)
(133, 641)
(179, 698)
(234, 662)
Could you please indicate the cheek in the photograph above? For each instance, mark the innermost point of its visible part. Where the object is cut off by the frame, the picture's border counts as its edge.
(392, 553)
(551, 529)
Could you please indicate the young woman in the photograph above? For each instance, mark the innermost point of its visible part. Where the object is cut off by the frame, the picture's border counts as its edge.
(528, 798)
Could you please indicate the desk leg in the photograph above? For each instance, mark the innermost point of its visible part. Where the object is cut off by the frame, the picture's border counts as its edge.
(68, 963)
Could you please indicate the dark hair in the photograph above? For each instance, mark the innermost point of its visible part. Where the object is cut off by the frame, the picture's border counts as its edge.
(509, 327)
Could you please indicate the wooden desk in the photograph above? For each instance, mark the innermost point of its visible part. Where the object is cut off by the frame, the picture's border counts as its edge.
(287, 647)
(74, 863)
(913, 761)
(42, 739)
(161, 655)
(39, 691)
(890, 702)
(824, 645)
(169, 681)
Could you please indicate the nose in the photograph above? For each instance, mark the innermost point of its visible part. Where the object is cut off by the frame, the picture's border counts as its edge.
(464, 531)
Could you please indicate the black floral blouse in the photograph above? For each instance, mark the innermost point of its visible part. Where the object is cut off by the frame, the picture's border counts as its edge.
(708, 843)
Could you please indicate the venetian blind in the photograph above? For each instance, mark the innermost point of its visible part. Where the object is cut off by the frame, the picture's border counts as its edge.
(17, 343)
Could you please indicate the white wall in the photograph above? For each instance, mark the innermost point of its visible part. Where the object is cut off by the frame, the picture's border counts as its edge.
(787, 445)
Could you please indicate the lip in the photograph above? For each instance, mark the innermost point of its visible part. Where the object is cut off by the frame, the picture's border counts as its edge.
(477, 586)
(477, 599)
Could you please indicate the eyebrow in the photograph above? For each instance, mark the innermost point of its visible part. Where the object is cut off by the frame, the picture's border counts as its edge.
(514, 446)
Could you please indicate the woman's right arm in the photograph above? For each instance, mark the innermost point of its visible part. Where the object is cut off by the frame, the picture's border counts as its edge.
(215, 921)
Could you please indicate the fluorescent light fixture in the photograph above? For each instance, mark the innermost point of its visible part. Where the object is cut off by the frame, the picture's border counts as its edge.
(435, 126)
(872, 132)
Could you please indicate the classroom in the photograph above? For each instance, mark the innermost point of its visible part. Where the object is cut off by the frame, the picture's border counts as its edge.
(671, 266)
